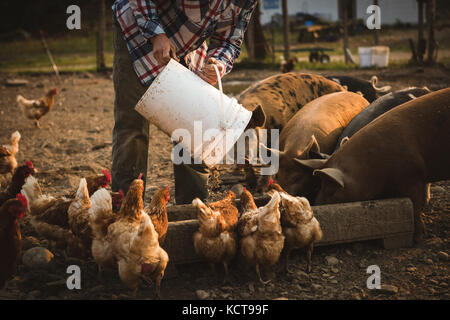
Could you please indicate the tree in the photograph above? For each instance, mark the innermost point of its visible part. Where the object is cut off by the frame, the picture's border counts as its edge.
(255, 42)
(431, 15)
(421, 46)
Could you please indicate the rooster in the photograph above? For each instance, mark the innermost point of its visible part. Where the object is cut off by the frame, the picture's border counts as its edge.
(36, 109)
(157, 211)
(17, 181)
(215, 241)
(127, 239)
(299, 225)
(262, 239)
(10, 237)
(8, 162)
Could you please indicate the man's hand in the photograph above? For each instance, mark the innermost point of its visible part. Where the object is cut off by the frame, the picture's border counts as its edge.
(208, 73)
(162, 49)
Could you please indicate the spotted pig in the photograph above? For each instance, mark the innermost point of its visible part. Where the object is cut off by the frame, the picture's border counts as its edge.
(275, 100)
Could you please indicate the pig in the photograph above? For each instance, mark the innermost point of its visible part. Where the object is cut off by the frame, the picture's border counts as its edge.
(378, 107)
(395, 155)
(313, 131)
(275, 100)
(367, 88)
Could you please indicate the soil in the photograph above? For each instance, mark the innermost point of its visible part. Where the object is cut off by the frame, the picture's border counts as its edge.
(75, 140)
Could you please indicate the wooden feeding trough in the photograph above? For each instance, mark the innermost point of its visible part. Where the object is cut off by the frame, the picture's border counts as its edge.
(389, 220)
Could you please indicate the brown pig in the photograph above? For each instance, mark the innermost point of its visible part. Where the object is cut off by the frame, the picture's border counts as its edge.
(275, 100)
(314, 129)
(395, 155)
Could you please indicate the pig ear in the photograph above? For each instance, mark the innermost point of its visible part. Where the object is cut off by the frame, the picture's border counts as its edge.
(258, 116)
(320, 156)
(312, 151)
(311, 164)
(332, 174)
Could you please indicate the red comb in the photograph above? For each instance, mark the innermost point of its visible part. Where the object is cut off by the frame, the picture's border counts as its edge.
(245, 189)
(22, 199)
(121, 192)
(29, 164)
(56, 90)
(140, 176)
(270, 182)
(107, 175)
(167, 188)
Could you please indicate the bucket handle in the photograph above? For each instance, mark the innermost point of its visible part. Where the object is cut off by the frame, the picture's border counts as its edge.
(219, 80)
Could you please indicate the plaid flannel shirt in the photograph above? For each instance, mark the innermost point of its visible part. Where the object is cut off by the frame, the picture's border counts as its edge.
(187, 24)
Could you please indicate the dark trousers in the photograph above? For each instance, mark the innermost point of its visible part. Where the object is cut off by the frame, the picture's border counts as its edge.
(131, 133)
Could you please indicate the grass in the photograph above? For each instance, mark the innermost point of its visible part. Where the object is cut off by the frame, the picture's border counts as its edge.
(71, 53)
(78, 53)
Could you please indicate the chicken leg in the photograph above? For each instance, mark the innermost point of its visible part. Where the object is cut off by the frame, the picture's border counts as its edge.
(259, 276)
(309, 252)
(226, 278)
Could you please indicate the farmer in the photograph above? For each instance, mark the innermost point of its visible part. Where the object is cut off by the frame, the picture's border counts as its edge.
(167, 28)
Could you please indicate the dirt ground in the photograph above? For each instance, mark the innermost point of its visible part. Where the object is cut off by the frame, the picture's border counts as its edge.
(75, 140)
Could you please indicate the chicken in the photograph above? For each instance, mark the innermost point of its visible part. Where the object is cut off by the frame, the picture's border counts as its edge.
(287, 66)
(79, 215)
(17, 181)
(128, 238)
(10, 237)
(102, 216)
(247, 222)
(262, 239)
(117, 198)
(96, 181)
(8, 162)
(157, 211)
(215, 241)
(299, 225)
(228, 210)
(36, 109)
(145, 257)
(49, 217)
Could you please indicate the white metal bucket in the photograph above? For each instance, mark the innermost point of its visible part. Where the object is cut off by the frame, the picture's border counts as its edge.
(178, 98)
